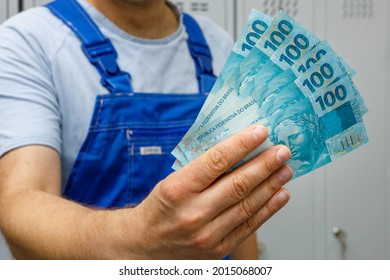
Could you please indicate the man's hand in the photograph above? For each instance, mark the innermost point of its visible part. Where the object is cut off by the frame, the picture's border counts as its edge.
(199, 212)
(203, 212)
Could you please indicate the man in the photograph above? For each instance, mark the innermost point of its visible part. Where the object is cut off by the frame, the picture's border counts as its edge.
(75, 181)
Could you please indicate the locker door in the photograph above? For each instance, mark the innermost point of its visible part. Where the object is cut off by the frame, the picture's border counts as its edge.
(387, 205)
(356, 184)
(3, 10)
(27, 4)
(13, 7)
(221, 11)
(301, 10)
(7, 9)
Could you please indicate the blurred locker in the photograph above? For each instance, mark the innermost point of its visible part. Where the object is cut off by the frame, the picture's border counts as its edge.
(356, 185)
(4, 251)
(301, 10)
(387, 209)
(8, 8)
(220, 11)
(341, 211)
(13, 7)
(3, 10)
(27, 4)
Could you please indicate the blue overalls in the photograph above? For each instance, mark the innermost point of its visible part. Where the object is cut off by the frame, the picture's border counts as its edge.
(128, 147)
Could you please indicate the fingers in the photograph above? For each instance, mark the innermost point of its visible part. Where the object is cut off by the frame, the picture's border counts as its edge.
(237, 185)
(203, 171)
(240, 233)
(250, 206)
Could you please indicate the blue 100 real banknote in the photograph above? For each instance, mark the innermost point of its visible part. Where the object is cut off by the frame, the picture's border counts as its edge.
(257, 23)
(326, 71)
(288, 76)
(283, 77)
(323, 73)
(317, 130)
(257, 57)
(284, 43)
(223, 98)
(343, 90)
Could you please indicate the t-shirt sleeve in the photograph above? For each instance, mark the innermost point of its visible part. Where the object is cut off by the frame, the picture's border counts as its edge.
(29, 108)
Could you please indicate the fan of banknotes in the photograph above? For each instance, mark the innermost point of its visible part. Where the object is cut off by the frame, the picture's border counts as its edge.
(285, 78)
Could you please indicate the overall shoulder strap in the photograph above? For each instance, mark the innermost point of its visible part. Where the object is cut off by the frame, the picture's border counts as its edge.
(98, 49)
(201, 54)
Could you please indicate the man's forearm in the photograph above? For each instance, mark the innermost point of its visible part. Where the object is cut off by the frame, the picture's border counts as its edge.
(39, 225)
(248, 250)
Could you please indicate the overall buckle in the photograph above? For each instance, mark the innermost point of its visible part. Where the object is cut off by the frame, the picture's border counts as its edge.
(103, 55)
(118, 83)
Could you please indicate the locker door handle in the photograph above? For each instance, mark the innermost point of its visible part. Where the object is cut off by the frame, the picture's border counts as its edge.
(341, 236)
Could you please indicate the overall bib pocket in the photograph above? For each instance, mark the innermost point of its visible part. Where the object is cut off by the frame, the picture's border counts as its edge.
(150, 159)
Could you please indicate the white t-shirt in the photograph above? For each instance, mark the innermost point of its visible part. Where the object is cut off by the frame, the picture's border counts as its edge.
(48, 87)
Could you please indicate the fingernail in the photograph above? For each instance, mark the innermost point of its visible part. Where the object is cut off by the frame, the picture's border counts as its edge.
(283, 154)
(285, 173)
(283, 195)
(259, 133)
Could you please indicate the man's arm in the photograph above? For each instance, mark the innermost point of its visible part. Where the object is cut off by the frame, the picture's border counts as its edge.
(197, 212)
(248, 250)
(36, 221)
